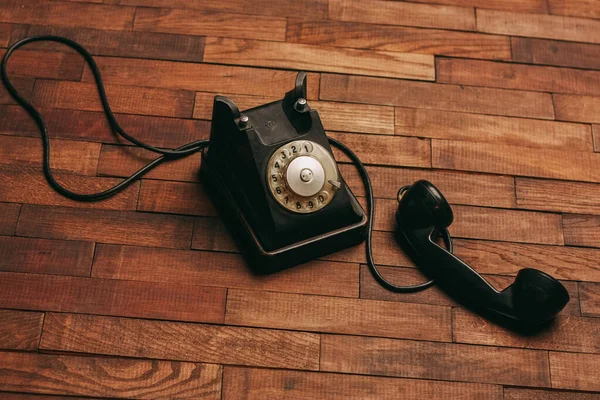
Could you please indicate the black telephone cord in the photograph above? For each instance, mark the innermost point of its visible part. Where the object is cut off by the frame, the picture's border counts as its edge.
(167, 154)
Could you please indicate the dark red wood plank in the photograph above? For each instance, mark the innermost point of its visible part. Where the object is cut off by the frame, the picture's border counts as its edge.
(44, 256)
(589, 293)
(5, 30)
(20, 330)
(582, 230)
(111, 297)
(575, 371)
(175, 198)
(44, 64)
(23, 85)
(538, 394)
(9, 215)
(554, 52)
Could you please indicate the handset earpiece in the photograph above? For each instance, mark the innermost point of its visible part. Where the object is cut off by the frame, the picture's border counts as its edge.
(534, 298)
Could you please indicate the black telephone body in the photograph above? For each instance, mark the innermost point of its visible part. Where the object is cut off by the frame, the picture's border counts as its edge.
(272, 176)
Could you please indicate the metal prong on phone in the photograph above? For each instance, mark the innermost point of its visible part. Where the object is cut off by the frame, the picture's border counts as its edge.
(336, 185)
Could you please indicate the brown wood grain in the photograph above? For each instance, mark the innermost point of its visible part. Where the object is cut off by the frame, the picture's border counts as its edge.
(575, 371)
(431, 360)
(199, 77)
(533, 6)
(92, 126)
(174, 198)
(538, 25)
(347, 117)
(517, 76)
(110, 377)
(560, 196)
(24, 396)
(590, 298)
(112, 297)
(577, 8)
(27, 185)
(398, 38)
(44, 64)
(205, 23)
(107, 226)
(5, 31)
(410, 152)
(101, 16)
(258, 384)
(124, 161)
(538, 394)
(66, 155)
(308, 8)
(577, 108)
(331, 314)
(437, 97)
(596, 136)
(122, 99)
(460, 126)
(44, 256)
(567, 333)
(582, 230)
(151, 45)
(220, 269)
(181, 341)
(555, 52)
(23, 85)
(516, 160)
(319, 58)
(9, 215)
(400, 13)
(20, 330)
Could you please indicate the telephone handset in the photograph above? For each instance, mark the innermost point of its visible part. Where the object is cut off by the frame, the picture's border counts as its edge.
(272, 175)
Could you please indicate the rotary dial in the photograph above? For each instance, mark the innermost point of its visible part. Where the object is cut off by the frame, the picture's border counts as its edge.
(303, 176)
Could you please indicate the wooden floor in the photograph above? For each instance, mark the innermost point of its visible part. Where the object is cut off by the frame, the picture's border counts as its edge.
(144, 295)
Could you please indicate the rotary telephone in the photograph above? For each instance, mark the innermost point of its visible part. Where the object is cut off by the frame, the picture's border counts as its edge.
(271, 174)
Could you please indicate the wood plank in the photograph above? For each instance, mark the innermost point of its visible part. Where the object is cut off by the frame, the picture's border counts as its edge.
(209, 23)
(371, 289)
(398, 38)
(536, 394)
(220, 269)
(450, 125)
(517, 76)
(258, 384)
(574, 371)
(319, 58)
(5, 30)
(122, 99)
(110, 377)
(66, 155)
(174, 198)
(560, 196)
(180, 341)
(347, 117)
(516, 160)
(590, 299)
(554, 52)
(43, 256)
(92, 126)
(577, 8)
(582, 230)
(100, 16)
(112, 297)
(412, 152)
(399, 13)
(123, 161)
(23, 85)
(9, 215)
(533, 6)
(567, 333)
(20, 330)
(29, 186)
(107, 226)
(458, 187)
(161, 46)
(360, 89)
(431, 360)
(577, 108)
(596, 136)
(307, 8)
(200, 77)
(504, 258)
(44, 64)
(538, 25)
(25, 396)
(337, 315)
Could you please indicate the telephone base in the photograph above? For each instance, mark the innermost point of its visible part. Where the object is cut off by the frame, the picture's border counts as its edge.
(260, 260)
